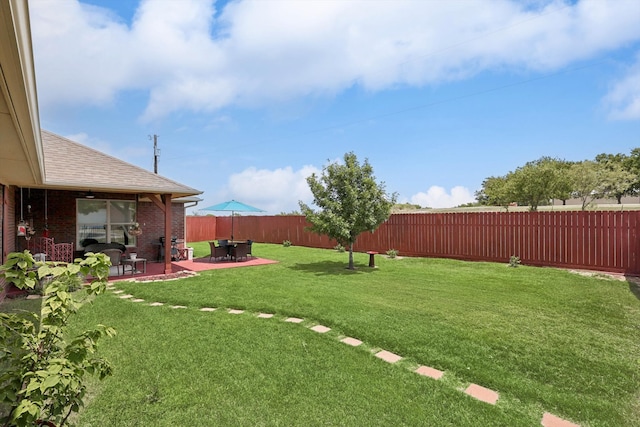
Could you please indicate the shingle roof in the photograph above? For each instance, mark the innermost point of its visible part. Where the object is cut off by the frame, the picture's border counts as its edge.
(73, 166)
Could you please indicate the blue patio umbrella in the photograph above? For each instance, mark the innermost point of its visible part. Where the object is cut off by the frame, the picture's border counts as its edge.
(233, 207)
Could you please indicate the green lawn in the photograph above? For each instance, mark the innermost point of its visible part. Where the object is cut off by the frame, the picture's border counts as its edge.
(545, 339)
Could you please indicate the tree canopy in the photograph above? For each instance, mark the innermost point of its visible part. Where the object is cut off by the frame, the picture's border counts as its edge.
(539, 182)
(350, 202)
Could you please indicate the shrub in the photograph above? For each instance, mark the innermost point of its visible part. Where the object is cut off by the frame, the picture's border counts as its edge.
(339, 247)
(392, 253)
(286, 243)
(44, 371)
(514, 261)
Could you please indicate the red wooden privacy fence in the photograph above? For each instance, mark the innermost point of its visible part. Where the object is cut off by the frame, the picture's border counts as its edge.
(601, 240)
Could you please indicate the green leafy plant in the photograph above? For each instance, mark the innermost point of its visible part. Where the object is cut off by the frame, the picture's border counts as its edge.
(286, 243)
(43, 378)
(392, 253)
(514, 261)
(339, 248)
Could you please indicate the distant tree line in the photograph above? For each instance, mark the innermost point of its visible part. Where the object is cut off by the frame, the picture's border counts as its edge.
(537, 183)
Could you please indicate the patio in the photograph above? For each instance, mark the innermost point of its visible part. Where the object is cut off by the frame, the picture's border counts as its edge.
(195, 265)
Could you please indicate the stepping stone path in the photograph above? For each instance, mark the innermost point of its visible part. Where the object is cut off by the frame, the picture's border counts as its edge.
(550, 420)
(474, 390)
(351, 341)
(387, 356)
(482, 393)
(429, 372)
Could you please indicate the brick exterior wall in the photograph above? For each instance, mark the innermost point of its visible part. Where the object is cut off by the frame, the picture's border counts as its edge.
(61, 213)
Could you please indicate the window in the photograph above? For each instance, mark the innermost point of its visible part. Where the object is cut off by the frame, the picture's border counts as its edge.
(105, 221)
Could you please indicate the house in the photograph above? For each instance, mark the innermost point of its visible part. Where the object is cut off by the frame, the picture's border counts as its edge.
(62, 189)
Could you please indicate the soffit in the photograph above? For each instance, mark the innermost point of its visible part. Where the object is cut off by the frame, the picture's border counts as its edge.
(20, 148)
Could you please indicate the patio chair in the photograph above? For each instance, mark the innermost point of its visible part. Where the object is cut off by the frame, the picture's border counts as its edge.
(217, 251)
(239, 250)
(249, 243)
(115, 255)
(62, 252)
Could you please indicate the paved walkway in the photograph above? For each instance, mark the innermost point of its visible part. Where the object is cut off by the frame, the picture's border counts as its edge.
(476, 391)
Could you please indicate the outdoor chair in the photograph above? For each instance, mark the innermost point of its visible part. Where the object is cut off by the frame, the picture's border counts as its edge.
(249, 243)
(115, 255)
(217, 251)
(239, 250)
(62, 252)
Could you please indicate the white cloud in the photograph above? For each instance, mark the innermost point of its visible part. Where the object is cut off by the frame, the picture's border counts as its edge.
(624, 98)
(259, 52)
(437, 197)
(274, 191)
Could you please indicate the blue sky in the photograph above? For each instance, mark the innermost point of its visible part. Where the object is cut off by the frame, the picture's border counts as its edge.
(250, 97)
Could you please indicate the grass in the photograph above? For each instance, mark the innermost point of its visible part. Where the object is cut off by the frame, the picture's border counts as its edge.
(545, 339)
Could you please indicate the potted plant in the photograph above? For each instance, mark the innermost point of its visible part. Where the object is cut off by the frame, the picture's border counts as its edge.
(135, 229)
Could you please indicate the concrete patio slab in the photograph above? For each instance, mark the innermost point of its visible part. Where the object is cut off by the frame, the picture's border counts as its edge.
(320, 329)
(387, 356)
(429, 372)
(351, 341)
(483, 394)
(550, 420)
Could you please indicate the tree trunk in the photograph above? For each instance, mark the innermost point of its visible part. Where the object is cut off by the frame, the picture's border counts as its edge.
(351, 267)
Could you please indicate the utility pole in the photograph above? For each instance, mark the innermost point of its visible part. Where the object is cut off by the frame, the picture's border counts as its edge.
(156, 153)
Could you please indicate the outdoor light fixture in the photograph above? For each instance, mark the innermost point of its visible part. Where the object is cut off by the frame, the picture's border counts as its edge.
(90, 195)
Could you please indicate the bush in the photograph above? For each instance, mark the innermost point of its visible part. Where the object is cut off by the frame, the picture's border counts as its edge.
(43, 377)
(286, 243)
(392, 253)
(339, 247)
(514, 261)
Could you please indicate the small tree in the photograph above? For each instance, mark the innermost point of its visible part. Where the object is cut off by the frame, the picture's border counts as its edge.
(350, 202)
(43, 375)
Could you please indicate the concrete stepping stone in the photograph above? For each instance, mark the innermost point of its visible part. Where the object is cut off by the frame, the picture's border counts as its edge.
(178, 306)
(429, 372)
(320, 329)
(294, 320)
(126, 296)
(351, 341)
(207, 309)
(119, 291)
(34, 296)
(265, 315)
(550, 420)
(387, 356)
(156, 304)
(483, 394)
(234, 311)
(137, 300)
